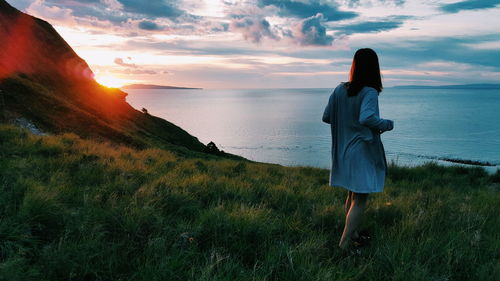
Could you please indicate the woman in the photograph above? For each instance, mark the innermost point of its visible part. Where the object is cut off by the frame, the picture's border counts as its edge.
(358, 157)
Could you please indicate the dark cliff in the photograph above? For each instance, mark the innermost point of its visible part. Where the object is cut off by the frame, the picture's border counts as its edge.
(43, 79)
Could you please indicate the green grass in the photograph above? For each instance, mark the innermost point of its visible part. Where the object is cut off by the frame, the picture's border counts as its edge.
(75, 209)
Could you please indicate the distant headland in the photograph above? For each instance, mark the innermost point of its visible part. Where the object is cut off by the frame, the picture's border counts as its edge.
(148, 86)
(463, 86)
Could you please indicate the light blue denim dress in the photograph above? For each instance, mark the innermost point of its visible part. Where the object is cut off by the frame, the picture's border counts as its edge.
(358, 156)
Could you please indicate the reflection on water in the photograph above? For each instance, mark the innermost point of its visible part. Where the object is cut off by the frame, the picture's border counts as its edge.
(284, 125)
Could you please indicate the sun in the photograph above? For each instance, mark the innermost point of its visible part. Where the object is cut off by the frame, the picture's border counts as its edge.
(111, 81)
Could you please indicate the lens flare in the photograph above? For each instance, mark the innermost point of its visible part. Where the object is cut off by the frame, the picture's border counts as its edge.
(111, 81)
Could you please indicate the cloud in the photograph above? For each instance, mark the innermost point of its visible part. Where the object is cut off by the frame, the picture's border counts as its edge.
(153, 8)
(393, 2)
(292, 22)
(119, 61)
(21, 5)
(189, 47)
(371, 26)
(450, 49)
(310, 31)
(59, 14)
(129, 71)
(253, 28)
(365, 3)
(219, 27)
(115, 11)
(302, 9)
(149, 25)
(112, 4)
(93, 11)
(131, 68)
(469, 5)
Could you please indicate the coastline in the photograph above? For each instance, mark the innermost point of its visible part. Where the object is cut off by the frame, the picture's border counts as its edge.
(395, 160)
(287, 129)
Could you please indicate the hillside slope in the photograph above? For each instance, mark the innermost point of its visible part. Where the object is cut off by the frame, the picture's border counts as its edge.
(74, 209)
(44, 80)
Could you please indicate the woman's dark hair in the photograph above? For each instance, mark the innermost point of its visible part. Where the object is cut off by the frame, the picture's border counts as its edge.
(365, 71)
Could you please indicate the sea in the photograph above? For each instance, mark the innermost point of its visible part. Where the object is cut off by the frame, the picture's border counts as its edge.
(284, 126)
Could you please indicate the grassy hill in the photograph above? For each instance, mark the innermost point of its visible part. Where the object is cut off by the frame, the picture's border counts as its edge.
(43, 79)
(76, 209)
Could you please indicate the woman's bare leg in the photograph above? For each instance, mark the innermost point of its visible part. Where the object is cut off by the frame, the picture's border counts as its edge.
(347, 206)
(348, 201)
(353, 218)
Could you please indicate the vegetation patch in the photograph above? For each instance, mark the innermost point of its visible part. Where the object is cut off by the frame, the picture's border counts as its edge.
(76, 209)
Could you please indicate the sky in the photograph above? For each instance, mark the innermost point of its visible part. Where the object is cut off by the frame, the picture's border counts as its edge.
(277, 43)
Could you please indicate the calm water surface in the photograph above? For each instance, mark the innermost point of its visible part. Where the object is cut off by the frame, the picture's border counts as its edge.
(284, 125)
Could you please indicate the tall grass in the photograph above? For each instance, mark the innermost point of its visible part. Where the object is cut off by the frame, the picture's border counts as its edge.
(74, 209)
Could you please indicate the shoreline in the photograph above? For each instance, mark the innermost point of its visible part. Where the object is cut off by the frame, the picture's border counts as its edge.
(405, 164)
(407, 160)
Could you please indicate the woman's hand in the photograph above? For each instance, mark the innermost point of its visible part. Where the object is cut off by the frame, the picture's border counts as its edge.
(391, 126)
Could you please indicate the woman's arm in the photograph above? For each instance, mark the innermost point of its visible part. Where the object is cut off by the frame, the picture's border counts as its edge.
(328, 111)
(369, 113)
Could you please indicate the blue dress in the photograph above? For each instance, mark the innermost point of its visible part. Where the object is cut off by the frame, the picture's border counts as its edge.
(358, 156)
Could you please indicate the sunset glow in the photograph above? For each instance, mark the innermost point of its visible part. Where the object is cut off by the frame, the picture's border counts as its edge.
(111, 82)
(277, 43)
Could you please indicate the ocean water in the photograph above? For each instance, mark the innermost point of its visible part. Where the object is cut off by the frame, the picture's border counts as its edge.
(284, 126)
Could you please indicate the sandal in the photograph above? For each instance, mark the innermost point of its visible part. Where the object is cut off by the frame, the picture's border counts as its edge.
(350, 251)
(362, 240)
